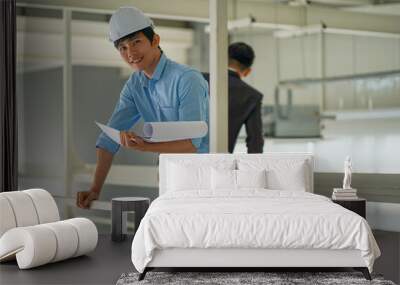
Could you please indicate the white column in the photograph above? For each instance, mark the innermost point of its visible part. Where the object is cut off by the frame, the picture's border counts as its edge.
(323, 70)
(218, 76)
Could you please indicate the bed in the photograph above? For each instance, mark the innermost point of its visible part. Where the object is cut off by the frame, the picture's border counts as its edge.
(246, 211)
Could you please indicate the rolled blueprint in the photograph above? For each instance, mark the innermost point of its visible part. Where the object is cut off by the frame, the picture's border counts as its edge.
(164, 131)
(172, 131)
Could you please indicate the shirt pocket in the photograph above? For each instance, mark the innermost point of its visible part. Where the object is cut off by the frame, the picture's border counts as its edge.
(169, 113)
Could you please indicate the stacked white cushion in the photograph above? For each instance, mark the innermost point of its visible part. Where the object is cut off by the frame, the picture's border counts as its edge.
(223, 179)
(251, 178)
(66, 238)
(282, 174)
(284, 171)
(46, 207)
(188, 175)
(7, 219)
(87, 234)
(226, 179)
(52, 242)
(34, 244)
(23, 208)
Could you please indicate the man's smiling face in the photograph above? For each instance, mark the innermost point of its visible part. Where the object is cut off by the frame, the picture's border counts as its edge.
(137, 51)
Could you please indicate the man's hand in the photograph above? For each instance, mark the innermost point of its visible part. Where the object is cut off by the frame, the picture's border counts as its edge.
(84, 199)
(131, 140)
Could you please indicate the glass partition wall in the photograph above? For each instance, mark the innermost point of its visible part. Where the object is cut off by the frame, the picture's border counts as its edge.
(327, 92)
(69, 76)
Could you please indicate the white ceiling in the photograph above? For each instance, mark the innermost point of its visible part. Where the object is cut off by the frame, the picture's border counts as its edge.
(383, 7)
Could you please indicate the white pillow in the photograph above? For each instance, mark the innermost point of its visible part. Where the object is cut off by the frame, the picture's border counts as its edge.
(251, 178)
(236, 179)
(223, 179)
(293, 179)
(282, 174)
(187, 175)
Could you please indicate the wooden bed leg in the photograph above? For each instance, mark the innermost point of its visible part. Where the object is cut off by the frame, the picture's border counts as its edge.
(143, 274)
(364, 271)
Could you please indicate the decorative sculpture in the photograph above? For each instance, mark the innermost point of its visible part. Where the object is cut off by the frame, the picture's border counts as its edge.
(347, 173)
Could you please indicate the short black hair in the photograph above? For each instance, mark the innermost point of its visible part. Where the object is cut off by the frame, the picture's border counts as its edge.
(242, 53)
(148, 33)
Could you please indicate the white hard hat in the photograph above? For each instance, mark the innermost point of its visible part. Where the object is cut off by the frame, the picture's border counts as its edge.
(127, 20)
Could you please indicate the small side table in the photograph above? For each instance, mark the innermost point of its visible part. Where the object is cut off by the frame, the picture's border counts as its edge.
(358, 205)
(139, 205)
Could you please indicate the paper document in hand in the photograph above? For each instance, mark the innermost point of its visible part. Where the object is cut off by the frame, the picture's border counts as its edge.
(163, 131)
(110, 132)
(172, 131)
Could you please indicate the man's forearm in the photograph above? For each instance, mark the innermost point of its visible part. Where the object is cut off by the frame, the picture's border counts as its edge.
(104, 161)
(181, 146)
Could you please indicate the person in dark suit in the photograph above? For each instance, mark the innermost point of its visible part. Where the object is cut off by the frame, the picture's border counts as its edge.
(244, 101)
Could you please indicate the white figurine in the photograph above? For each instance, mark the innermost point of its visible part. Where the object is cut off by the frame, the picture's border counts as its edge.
(347, 173)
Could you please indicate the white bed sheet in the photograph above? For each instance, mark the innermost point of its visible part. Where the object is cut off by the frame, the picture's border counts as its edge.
(251, 218)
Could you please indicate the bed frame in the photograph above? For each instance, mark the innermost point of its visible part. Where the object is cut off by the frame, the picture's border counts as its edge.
(242, 259)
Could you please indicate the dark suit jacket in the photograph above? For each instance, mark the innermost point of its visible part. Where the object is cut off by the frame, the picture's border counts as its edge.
(244, 108)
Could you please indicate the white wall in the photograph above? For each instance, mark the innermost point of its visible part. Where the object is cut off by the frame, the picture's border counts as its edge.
(40, 44)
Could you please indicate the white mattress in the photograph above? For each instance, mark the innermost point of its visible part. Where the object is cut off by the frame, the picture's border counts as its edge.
(253, 218)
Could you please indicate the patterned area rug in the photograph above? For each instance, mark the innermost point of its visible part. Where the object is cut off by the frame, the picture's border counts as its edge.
(243, 278)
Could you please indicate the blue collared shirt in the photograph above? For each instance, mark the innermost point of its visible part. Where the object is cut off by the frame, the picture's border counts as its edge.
(175, 92)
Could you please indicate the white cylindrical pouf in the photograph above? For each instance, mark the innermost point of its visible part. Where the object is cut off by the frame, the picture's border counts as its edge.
(7, 218)
(67, 239)
(87, 234)
(23, 207)
(35, 245)
(45, 205)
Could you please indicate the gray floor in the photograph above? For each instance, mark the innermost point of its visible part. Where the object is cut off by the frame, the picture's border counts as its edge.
(110, 260)
(103, 266)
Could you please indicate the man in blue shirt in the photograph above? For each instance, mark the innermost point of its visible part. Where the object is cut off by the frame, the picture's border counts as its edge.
(160, 90)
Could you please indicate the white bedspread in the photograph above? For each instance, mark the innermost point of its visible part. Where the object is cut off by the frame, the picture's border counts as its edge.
(250, 219)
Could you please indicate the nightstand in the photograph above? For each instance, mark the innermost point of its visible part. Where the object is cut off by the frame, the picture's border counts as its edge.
(358, 205)
(120, 207)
